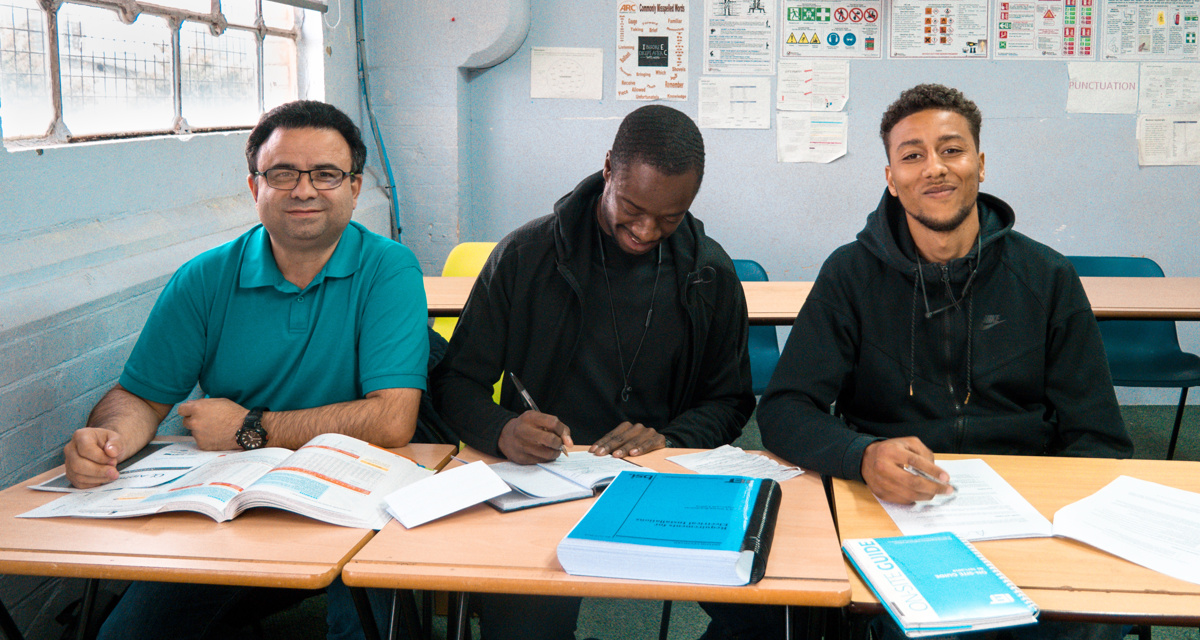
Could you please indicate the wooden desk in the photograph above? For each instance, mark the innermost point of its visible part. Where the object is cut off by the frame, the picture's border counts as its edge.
(482, 550)
(1068, 580)
(262, 547)
(779, 302)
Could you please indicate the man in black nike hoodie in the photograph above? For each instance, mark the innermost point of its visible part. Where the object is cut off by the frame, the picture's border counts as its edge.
(941, 329)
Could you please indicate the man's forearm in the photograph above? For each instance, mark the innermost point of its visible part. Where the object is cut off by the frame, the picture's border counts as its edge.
(133, 417)
(386, 418)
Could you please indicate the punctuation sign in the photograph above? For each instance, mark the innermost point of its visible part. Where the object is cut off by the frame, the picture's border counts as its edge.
(856, 15)
(840, 14)
(871, 15)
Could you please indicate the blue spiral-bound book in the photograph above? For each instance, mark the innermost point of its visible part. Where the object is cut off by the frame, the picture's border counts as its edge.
(706, 529)
(938, 583)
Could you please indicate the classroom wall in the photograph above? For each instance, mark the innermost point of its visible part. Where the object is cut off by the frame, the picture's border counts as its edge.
(92, 232)
(1073, 179)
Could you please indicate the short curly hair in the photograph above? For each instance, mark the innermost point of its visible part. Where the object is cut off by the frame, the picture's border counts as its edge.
(930, 96)
(662, 137)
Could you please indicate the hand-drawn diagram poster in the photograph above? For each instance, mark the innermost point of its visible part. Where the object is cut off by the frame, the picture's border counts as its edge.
(939, 29)
(652, 57)
(831, 29)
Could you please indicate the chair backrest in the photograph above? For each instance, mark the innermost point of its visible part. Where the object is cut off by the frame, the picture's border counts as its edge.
(763, 341)
(465, 260)
(1126, 340)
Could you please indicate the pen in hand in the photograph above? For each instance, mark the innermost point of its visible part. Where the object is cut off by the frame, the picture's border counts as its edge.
(921, 474)
(531, 404)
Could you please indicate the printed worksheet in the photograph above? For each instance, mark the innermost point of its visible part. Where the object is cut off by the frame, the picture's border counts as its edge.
(566, 73)
(735, 103)
(802, 136)
(739, 37)
(1168, 140)
(813, 85)
(831, 29)
(939, 29)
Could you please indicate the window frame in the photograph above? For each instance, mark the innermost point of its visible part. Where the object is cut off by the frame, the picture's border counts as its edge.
(128, 11)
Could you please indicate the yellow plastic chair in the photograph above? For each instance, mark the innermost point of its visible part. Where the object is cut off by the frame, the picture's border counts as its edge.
(465, 260)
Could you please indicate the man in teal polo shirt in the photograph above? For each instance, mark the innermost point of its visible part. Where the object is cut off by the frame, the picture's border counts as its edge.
(306, 324)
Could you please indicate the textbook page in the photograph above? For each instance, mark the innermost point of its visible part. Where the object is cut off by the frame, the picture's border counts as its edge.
(986, 507)
(157, 463)
(589, 470)
(1143, 522)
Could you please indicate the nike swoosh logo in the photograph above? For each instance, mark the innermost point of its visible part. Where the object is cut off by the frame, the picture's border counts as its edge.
(988, 324)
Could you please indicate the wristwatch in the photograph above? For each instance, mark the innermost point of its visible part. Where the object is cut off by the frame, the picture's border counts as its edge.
(252, 435)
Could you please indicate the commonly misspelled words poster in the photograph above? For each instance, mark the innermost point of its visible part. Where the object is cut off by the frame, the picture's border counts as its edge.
(652, 58)
(1151, 30)
(939, 29)
(831, 29)
(739, 37)
(1046, 29)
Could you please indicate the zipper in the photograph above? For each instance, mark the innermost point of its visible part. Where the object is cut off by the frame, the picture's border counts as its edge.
(959, 422)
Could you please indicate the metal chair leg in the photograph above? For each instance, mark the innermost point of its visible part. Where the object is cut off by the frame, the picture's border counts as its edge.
(427, 613)
(457, 623)
(8, 626)
(85, 609)
(412, 621)
(1178, 421)
(664, 626)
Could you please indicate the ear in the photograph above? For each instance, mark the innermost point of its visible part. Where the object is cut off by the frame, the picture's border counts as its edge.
(887, 174)
(356, 182)
(981, 167)
(607, 166)
(253, 182)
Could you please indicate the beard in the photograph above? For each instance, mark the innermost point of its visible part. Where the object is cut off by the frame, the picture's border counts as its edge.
(942, 226)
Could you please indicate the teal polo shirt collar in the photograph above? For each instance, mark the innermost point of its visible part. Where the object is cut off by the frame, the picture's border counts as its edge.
(260, 270)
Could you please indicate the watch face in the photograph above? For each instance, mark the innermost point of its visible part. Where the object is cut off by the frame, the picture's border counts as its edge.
(251, 437)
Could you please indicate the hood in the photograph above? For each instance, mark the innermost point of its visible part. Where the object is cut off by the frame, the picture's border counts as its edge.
(887, 237)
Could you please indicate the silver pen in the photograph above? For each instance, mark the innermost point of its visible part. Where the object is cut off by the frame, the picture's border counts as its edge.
(532, 405)
(921, 474)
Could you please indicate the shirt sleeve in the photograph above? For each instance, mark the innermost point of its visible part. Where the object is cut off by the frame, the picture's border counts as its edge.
(166, 360)
(394, 344)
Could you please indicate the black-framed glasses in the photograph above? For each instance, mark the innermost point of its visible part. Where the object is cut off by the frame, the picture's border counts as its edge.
(288, 179)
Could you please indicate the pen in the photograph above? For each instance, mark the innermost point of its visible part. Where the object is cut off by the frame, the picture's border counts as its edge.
(532, 405)
(921, 474)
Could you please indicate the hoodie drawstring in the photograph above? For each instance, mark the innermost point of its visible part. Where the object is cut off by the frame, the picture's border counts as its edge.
(912, 334)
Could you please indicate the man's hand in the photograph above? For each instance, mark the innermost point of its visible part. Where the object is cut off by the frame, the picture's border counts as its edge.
(629, 440)
(534, 437)
(214, 422)
(92, 456)
(883, 471)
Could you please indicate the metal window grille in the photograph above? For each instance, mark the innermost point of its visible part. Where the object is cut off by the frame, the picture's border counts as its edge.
(73, 70)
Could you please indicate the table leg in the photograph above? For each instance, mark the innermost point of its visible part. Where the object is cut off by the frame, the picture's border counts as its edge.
(408, 605)
(664, 627)
(85, 608)
(787, 622)
(456, 616)
(427, 613)
(365, 617)
(7, 626)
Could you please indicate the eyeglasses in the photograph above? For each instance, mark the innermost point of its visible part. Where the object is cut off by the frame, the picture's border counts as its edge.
(321, 179)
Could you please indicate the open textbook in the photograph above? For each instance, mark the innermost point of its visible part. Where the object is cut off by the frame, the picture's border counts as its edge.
(570, 477)
(333, 478)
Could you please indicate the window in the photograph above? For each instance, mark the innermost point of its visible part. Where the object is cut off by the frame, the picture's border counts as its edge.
(120, 68)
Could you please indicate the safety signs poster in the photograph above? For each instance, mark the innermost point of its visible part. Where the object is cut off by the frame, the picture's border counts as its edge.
(1046, 29)
(739, 37)
(831, 29)
(939, 29)
(652, 52)
(1151, 30)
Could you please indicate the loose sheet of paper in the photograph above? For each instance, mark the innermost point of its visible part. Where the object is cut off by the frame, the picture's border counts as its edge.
(939, 28)
(442, 494)
(1168, 140)
(587, 469)
(1144, 522)
(729, 460)
(810, 137)
(652, 50)
(1170, 87)
(1102, 87)
(831, 29)
(813, 85)
(735, 103)
(739, 37)
(986, 507)
(566, 73)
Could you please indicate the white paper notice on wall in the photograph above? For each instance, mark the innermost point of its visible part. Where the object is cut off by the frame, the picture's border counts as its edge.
(813, 85)
(1169, 87)
(739, 37)
(652, 50)
(735, 103)
(566, 73)
(1168, 140)
(810, 137)
(1102, 87)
